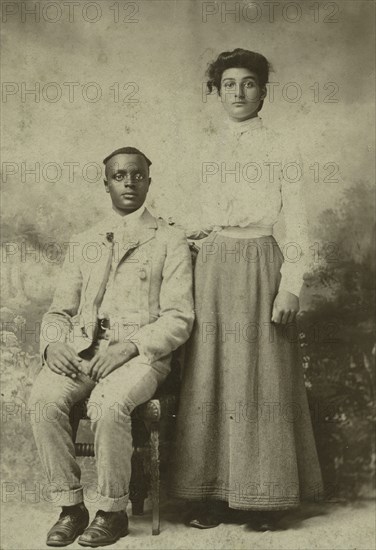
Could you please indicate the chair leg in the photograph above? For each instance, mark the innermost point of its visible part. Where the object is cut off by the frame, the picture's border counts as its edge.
(137, 486)
(154, 451)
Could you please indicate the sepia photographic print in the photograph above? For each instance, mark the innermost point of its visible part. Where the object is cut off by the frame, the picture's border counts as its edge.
(188, 274)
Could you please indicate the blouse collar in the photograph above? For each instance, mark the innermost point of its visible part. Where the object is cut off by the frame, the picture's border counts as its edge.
(239, 128)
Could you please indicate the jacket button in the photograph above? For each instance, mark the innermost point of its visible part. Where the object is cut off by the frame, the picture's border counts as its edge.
(142, 274)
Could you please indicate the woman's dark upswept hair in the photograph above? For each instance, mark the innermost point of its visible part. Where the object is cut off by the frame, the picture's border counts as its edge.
(238, 58)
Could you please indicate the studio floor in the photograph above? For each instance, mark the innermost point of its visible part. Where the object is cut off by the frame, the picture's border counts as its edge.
(320, 527)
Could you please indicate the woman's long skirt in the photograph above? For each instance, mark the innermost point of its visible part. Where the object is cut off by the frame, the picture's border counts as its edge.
(244, 432)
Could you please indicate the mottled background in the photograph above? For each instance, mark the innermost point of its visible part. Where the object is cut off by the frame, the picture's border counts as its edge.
(136, 74)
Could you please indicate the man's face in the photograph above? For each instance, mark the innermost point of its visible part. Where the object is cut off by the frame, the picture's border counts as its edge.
(127, 181)
(241, 93)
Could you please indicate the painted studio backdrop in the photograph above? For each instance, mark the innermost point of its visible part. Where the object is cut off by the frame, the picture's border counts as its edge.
(80, 79)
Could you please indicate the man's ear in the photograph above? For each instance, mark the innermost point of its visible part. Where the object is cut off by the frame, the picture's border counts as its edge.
(106, 185)
(149, 182)
(263, 92)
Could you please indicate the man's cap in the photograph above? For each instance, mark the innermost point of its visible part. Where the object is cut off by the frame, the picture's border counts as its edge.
(127, 151)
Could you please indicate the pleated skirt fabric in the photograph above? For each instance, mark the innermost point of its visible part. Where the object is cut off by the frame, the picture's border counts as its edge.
(244, 432)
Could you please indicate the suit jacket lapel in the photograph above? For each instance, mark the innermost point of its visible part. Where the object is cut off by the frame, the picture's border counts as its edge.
(97, 268)
(139, 233)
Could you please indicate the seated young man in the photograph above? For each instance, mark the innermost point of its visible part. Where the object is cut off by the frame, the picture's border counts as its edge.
(108, 336)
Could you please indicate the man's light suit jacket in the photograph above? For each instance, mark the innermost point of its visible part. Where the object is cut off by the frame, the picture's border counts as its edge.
(156, 305)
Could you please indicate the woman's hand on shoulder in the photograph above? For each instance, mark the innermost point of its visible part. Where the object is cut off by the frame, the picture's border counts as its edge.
(285, 307)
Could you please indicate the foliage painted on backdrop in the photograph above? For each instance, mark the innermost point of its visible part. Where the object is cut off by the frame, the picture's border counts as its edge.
(338, 344)
(336, 337)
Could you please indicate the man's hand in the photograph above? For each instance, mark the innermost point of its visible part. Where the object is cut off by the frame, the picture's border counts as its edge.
(62, 359)
(285, 307)
(114, 357)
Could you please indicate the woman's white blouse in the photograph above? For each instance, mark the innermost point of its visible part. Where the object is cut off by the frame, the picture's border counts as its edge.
(249, 176)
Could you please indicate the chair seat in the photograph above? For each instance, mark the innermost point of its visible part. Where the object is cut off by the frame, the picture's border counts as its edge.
(153, 410)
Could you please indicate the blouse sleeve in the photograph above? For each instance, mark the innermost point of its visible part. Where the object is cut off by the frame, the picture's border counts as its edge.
(195, 227)
(296, 249)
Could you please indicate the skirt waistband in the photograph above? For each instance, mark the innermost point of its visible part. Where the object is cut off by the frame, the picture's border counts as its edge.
(248, 232)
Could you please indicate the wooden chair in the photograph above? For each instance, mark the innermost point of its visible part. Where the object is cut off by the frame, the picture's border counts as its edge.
(152, 430)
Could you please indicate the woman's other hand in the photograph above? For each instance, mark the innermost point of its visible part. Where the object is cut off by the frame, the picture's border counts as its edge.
(285, 307)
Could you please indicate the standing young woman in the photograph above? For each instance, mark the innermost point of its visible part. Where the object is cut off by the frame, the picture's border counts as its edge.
(244, 432)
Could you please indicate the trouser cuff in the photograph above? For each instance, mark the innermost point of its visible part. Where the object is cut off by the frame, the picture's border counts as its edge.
(67, 498)
(110, 504)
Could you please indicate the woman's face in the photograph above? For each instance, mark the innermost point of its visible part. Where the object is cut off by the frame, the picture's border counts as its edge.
(241, 93)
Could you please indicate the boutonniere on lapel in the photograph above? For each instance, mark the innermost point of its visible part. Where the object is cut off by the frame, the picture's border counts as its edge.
(108, 238)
